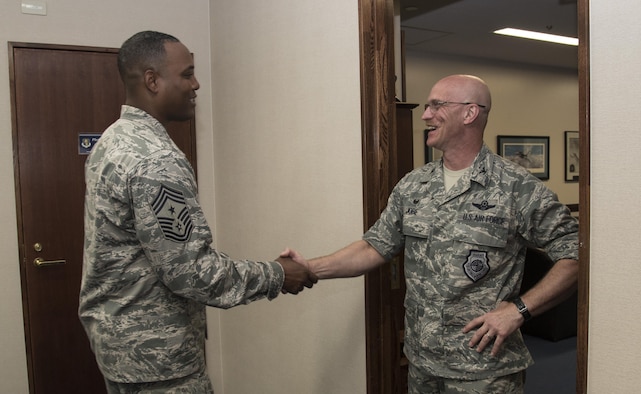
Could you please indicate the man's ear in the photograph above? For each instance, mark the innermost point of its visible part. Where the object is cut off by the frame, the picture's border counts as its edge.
(151, 80)
(471, 113)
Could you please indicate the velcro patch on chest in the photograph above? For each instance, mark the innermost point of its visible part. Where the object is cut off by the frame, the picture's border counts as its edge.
(172, 214)
(477, 265)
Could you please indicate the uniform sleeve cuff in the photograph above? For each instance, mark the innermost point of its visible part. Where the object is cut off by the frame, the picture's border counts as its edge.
(276, 279)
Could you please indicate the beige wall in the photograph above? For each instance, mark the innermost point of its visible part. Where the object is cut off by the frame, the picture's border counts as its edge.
(615, 271)
(526, 100)
(288, 173)
(304, 101)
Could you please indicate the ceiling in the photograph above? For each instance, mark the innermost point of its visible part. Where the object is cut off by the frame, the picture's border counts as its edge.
(464, 28)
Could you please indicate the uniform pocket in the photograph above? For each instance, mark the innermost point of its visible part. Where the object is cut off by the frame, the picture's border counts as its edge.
(423, 332)
(416, 226)
(481, 234)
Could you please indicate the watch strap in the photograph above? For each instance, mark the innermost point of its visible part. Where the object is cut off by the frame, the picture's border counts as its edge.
(522, 308)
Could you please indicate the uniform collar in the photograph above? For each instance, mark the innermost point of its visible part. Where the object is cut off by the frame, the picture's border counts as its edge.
(481, 166)
(136, 114)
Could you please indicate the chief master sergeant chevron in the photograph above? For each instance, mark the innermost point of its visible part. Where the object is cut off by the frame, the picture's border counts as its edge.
(149, 268)
(463, 223)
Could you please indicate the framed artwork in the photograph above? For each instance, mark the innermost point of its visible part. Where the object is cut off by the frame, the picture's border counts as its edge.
(532, 153)
(571, 156)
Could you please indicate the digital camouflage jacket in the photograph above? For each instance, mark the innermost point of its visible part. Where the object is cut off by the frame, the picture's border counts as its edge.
(149, 268)
(464, 254)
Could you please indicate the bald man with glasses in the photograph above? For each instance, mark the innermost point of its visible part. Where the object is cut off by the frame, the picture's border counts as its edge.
(464, 223)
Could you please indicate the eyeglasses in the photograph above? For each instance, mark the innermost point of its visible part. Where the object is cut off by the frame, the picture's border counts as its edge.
(435, 105)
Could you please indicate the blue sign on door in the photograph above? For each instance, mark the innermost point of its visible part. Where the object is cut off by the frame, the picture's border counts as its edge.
(86, 143)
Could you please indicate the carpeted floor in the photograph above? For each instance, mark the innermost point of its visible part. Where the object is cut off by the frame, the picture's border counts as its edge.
(554, 369)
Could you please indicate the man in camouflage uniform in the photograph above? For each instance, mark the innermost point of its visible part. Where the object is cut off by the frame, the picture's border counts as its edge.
(464, 223)
(149, 269)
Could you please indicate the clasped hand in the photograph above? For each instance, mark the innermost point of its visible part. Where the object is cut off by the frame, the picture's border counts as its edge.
(297, 275)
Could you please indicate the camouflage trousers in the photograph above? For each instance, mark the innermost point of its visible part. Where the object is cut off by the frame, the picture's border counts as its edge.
(196, 383)
(420, 383)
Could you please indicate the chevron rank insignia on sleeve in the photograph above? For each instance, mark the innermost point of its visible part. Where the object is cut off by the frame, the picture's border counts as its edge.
(172, 214)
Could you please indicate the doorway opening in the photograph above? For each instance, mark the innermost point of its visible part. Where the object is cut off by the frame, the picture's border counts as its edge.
(376, 28)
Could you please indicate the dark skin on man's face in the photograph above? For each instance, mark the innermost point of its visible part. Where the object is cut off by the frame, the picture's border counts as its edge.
(169, 92)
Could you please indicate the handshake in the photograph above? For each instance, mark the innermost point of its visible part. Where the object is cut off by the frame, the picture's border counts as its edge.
(297, 272)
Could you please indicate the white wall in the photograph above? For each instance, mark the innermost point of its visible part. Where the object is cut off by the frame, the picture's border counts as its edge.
(615, 271)
(526, 100)
(288, 173)
(90, 23)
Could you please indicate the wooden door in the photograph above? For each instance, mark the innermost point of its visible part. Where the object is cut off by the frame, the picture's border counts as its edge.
(60, 93)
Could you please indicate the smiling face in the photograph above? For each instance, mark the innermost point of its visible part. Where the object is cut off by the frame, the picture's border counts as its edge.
(456, 112)
(176, 85)
(444, 122)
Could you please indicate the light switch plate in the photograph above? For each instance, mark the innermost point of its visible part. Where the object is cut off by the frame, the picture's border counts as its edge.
(34, 7)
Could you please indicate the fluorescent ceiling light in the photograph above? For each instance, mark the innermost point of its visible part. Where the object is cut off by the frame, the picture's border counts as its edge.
(533, 35)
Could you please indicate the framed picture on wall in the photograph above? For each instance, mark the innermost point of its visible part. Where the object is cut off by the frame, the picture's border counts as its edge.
(532, 153)
(571, 156)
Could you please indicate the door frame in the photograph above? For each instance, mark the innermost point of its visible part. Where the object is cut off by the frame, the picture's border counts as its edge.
(378, 112)
(376, 34)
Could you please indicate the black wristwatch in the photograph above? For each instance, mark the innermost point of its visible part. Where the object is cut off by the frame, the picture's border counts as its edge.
(522, 308)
